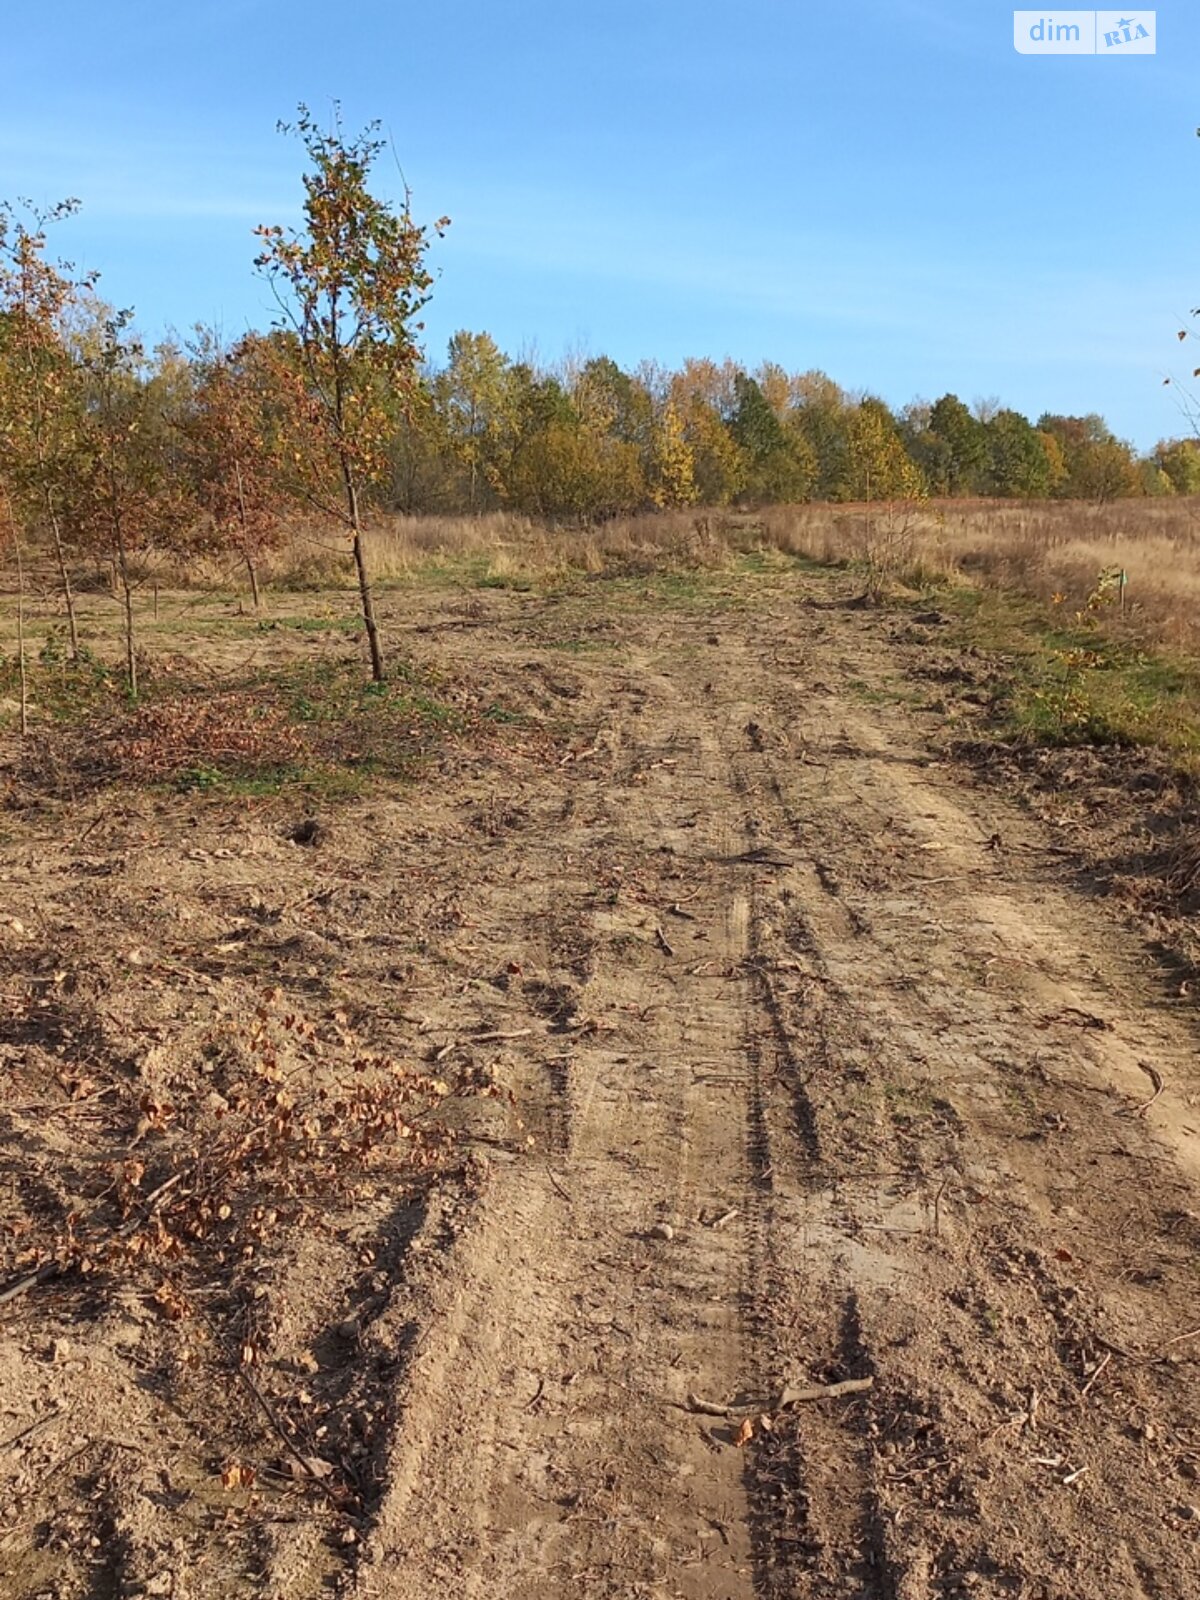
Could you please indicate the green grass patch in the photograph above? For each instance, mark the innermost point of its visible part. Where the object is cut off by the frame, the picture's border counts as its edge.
(345, 624)
(1078, 682)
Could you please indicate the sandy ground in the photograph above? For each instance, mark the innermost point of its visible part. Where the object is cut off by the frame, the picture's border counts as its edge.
(811, 1062)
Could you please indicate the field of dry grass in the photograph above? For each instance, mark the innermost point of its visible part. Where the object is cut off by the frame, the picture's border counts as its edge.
(1036, 549)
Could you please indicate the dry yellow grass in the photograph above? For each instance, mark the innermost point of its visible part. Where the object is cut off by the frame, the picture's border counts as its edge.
(1039, 549)
(504, 547)
(1043, 550)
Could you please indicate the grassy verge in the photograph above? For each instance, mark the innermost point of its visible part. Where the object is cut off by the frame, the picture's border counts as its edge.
(1078, 679)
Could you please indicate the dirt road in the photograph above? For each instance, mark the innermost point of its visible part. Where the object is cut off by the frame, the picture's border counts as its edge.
(832, 1017)
(833, 1072)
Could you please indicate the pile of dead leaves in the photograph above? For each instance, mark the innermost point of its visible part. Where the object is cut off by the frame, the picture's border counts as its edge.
(208, 1182)
(231, 732)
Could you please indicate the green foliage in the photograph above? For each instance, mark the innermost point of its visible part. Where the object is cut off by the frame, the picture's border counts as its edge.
(1073, 678)
(821, 416)
(477, 402)
(780, 460)
(960, 449)
(567, 470)
(1019, 463)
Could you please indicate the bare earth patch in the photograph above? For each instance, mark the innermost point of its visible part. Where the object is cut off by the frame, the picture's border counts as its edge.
(728, 1152)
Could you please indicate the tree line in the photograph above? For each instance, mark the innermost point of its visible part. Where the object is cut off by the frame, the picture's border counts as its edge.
(109, 449)
(591, 439)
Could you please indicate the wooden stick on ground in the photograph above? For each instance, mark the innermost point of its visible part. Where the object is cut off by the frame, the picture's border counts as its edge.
(826, 1391)
(789, 1397)
(1156, 1079)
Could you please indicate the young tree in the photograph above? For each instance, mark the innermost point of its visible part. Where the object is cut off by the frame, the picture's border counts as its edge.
(349, 287)
(12, 527)
(39, 411)
(672, 462)
(126, 499)
(702, 396)
(879, 468)
(232, 447)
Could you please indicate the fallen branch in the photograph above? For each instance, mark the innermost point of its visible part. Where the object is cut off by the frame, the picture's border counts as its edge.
(481, 1038)
(1156, 1079)
(292, 1449)
(259, 1398)
(558, 1188)
(1180, 1337)
(789, 1397)
(55, 1269)
(763, 855)
(1099, 1369)
(44, 1274)
(825, 1391)
(707, 1408)
(38, 1425)
(579, 755)
(1073, 1016)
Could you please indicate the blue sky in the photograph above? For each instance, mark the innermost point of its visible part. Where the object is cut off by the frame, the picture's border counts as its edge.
(883, 188)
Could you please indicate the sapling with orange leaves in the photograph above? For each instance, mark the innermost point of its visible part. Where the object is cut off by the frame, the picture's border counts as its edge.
(350, 287)
(233, 432)
(40, 398)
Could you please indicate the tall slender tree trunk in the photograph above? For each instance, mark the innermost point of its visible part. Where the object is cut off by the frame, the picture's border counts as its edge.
(52, 509)
(60, 554)
(122, 564)
(19, 555)
(364, 577)
(247, 550)
(253, 580)
(21, 638)
(64, 578)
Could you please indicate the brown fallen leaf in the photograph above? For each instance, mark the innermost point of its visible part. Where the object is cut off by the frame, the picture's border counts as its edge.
(314, 1467)
(745, 1433)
